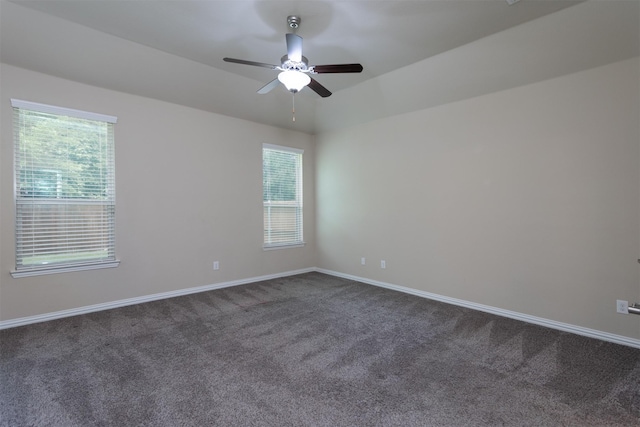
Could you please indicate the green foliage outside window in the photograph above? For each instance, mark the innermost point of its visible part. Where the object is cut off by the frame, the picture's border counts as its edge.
(279, 176)
(62, 157)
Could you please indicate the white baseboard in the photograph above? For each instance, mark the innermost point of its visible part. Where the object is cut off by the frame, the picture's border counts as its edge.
(12, 323)
(566, 327)
(592, 333)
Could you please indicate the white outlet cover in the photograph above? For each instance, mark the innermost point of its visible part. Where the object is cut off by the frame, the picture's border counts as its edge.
(622, 306)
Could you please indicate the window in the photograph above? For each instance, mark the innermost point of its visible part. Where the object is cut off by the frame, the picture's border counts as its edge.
(282, 196)
(64, 189)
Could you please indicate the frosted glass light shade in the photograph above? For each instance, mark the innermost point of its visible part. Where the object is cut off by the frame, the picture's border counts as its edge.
(293, 80)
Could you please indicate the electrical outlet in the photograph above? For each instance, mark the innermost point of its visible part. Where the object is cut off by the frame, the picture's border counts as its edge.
(622, 306)
(363, 261)
(383, 264)
(216, 265)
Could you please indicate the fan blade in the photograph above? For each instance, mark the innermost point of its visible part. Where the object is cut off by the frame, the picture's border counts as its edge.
(337, 68)
(318, 88)
(294, 47)
(257, 64)
(269, 86)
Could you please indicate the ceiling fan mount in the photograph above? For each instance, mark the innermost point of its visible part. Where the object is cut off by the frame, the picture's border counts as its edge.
(294, 67)
(293, 21)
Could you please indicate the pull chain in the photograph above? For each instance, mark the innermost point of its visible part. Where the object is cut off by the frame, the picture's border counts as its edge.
(293, 110)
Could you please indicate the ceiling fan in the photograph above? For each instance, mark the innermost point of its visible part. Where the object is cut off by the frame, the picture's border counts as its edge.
(295, 69)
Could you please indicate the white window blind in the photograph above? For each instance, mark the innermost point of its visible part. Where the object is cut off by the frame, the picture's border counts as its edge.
(282, 195)
(64, 189)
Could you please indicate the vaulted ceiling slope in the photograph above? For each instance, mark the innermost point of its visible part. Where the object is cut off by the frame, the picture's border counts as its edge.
(416, 54)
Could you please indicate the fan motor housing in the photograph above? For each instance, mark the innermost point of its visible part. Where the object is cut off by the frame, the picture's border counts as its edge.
(288, 64)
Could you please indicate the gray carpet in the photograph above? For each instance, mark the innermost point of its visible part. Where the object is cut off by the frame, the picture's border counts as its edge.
(310, 350)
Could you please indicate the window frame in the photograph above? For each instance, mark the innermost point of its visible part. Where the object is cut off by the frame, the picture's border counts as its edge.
(299, 205)
(109, 202)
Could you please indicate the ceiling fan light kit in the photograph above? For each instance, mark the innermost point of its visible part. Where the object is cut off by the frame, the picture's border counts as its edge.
(294, 68)
(293, 80)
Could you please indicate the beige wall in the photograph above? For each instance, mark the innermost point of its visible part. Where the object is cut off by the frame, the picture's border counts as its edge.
(188, 190)
(525, 200)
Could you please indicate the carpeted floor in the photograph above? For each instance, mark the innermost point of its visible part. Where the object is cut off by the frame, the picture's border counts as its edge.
(310, 350)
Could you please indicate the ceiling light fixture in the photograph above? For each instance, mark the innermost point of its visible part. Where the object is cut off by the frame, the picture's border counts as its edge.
(293, 80)
(294, 68)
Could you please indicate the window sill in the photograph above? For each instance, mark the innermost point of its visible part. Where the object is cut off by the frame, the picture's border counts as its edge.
(283, 246)
(41, 271)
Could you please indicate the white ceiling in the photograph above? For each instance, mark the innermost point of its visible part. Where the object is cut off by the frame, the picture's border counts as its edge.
(106, 43)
